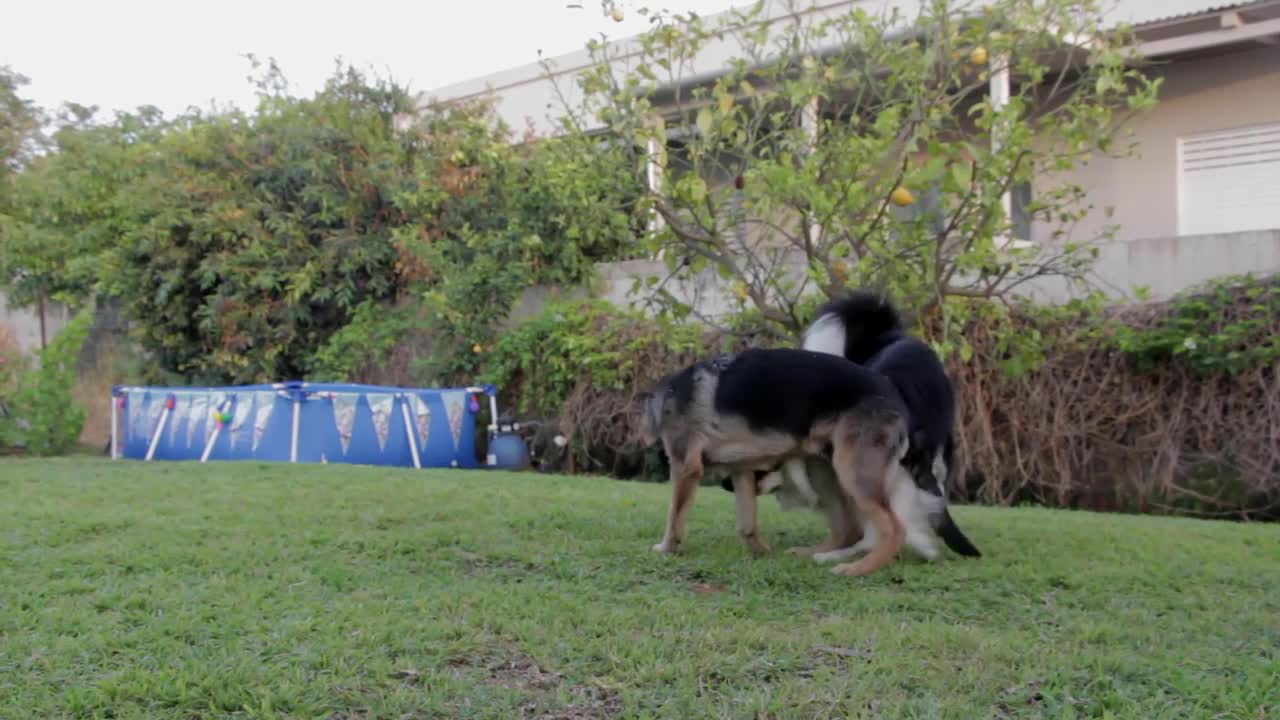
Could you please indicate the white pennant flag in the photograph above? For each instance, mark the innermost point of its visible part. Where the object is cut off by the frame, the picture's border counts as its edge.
(134, 402)
(241, 415)
(180, 401)
(263, 403)
(155, 406)
(344, 417)
(422, 419)
(196, 411)
(455, 404)
(380, 406)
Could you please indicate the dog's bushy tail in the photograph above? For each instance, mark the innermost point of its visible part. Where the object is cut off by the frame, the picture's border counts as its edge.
(953, 537)
(946, 525)
(852, 324)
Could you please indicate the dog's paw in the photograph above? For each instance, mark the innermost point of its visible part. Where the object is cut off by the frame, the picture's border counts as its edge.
(837, 555)
(664, 548)
(848, 570)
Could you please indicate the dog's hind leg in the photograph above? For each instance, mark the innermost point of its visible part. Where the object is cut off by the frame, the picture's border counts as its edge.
(685, 475)
(867, 444)
(912, 506)
(744, 491)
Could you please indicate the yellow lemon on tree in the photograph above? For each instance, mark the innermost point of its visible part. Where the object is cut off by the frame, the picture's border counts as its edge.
(978, 56)
(616, 14)
(740, 291)
(840, 270)
(477, 349)
(901, 196)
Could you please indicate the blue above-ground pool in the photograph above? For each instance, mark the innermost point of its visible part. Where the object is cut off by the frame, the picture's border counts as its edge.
(300, 422)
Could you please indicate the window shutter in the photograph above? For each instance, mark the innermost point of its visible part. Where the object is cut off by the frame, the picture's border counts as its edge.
(1229, 180)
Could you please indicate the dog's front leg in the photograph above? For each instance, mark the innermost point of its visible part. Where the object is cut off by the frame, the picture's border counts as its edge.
(744, 492)
(683, 488)
(685, 475)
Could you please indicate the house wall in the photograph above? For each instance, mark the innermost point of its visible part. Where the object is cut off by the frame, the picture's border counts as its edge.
(1166, 266)
(526, 97)
(1210, 93)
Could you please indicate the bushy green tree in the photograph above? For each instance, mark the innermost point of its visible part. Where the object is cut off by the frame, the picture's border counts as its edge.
(240, 242)
(498, 216)
(20, 123)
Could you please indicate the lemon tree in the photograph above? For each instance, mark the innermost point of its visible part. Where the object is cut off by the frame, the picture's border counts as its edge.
(865, 149)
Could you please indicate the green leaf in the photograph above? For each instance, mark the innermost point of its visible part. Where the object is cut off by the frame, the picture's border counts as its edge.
(705, 121)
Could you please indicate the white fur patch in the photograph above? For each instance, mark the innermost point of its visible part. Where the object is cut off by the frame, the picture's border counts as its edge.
(794, 471)
(792, 483)
(940, 472)
(826, 335)
(771, 482)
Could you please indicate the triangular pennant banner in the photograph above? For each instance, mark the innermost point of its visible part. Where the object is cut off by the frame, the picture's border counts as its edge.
(155, 406)
(243, 407)
(198, 410)
(455, 404)
(380, 406)
(135, 406)
(180, 402)
(344, 416)
(263, 404)
(422, 419)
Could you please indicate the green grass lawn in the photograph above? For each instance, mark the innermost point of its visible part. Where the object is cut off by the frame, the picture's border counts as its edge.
(168, 590)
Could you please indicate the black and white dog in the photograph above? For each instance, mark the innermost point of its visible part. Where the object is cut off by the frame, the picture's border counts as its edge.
(866, 329)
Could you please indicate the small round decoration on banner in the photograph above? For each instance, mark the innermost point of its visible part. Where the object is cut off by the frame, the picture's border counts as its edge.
(169, 401)
(121, 401)
(474, 404)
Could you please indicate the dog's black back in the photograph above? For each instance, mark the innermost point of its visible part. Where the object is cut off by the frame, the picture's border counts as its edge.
(789, 390)
(917, 373)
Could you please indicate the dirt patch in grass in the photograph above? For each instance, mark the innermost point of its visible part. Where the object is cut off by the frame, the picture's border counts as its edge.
(834, 656)
(513, 669)
(477, 564)
(1015, 700)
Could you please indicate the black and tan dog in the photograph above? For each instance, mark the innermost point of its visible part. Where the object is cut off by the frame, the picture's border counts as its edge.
(756, 409)
(865, 328)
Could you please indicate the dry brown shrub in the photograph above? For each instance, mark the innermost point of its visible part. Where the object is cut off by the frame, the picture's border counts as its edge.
(92, 391)
(1089, 429)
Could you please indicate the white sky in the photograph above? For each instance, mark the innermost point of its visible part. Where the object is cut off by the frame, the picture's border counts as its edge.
(119, 54)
